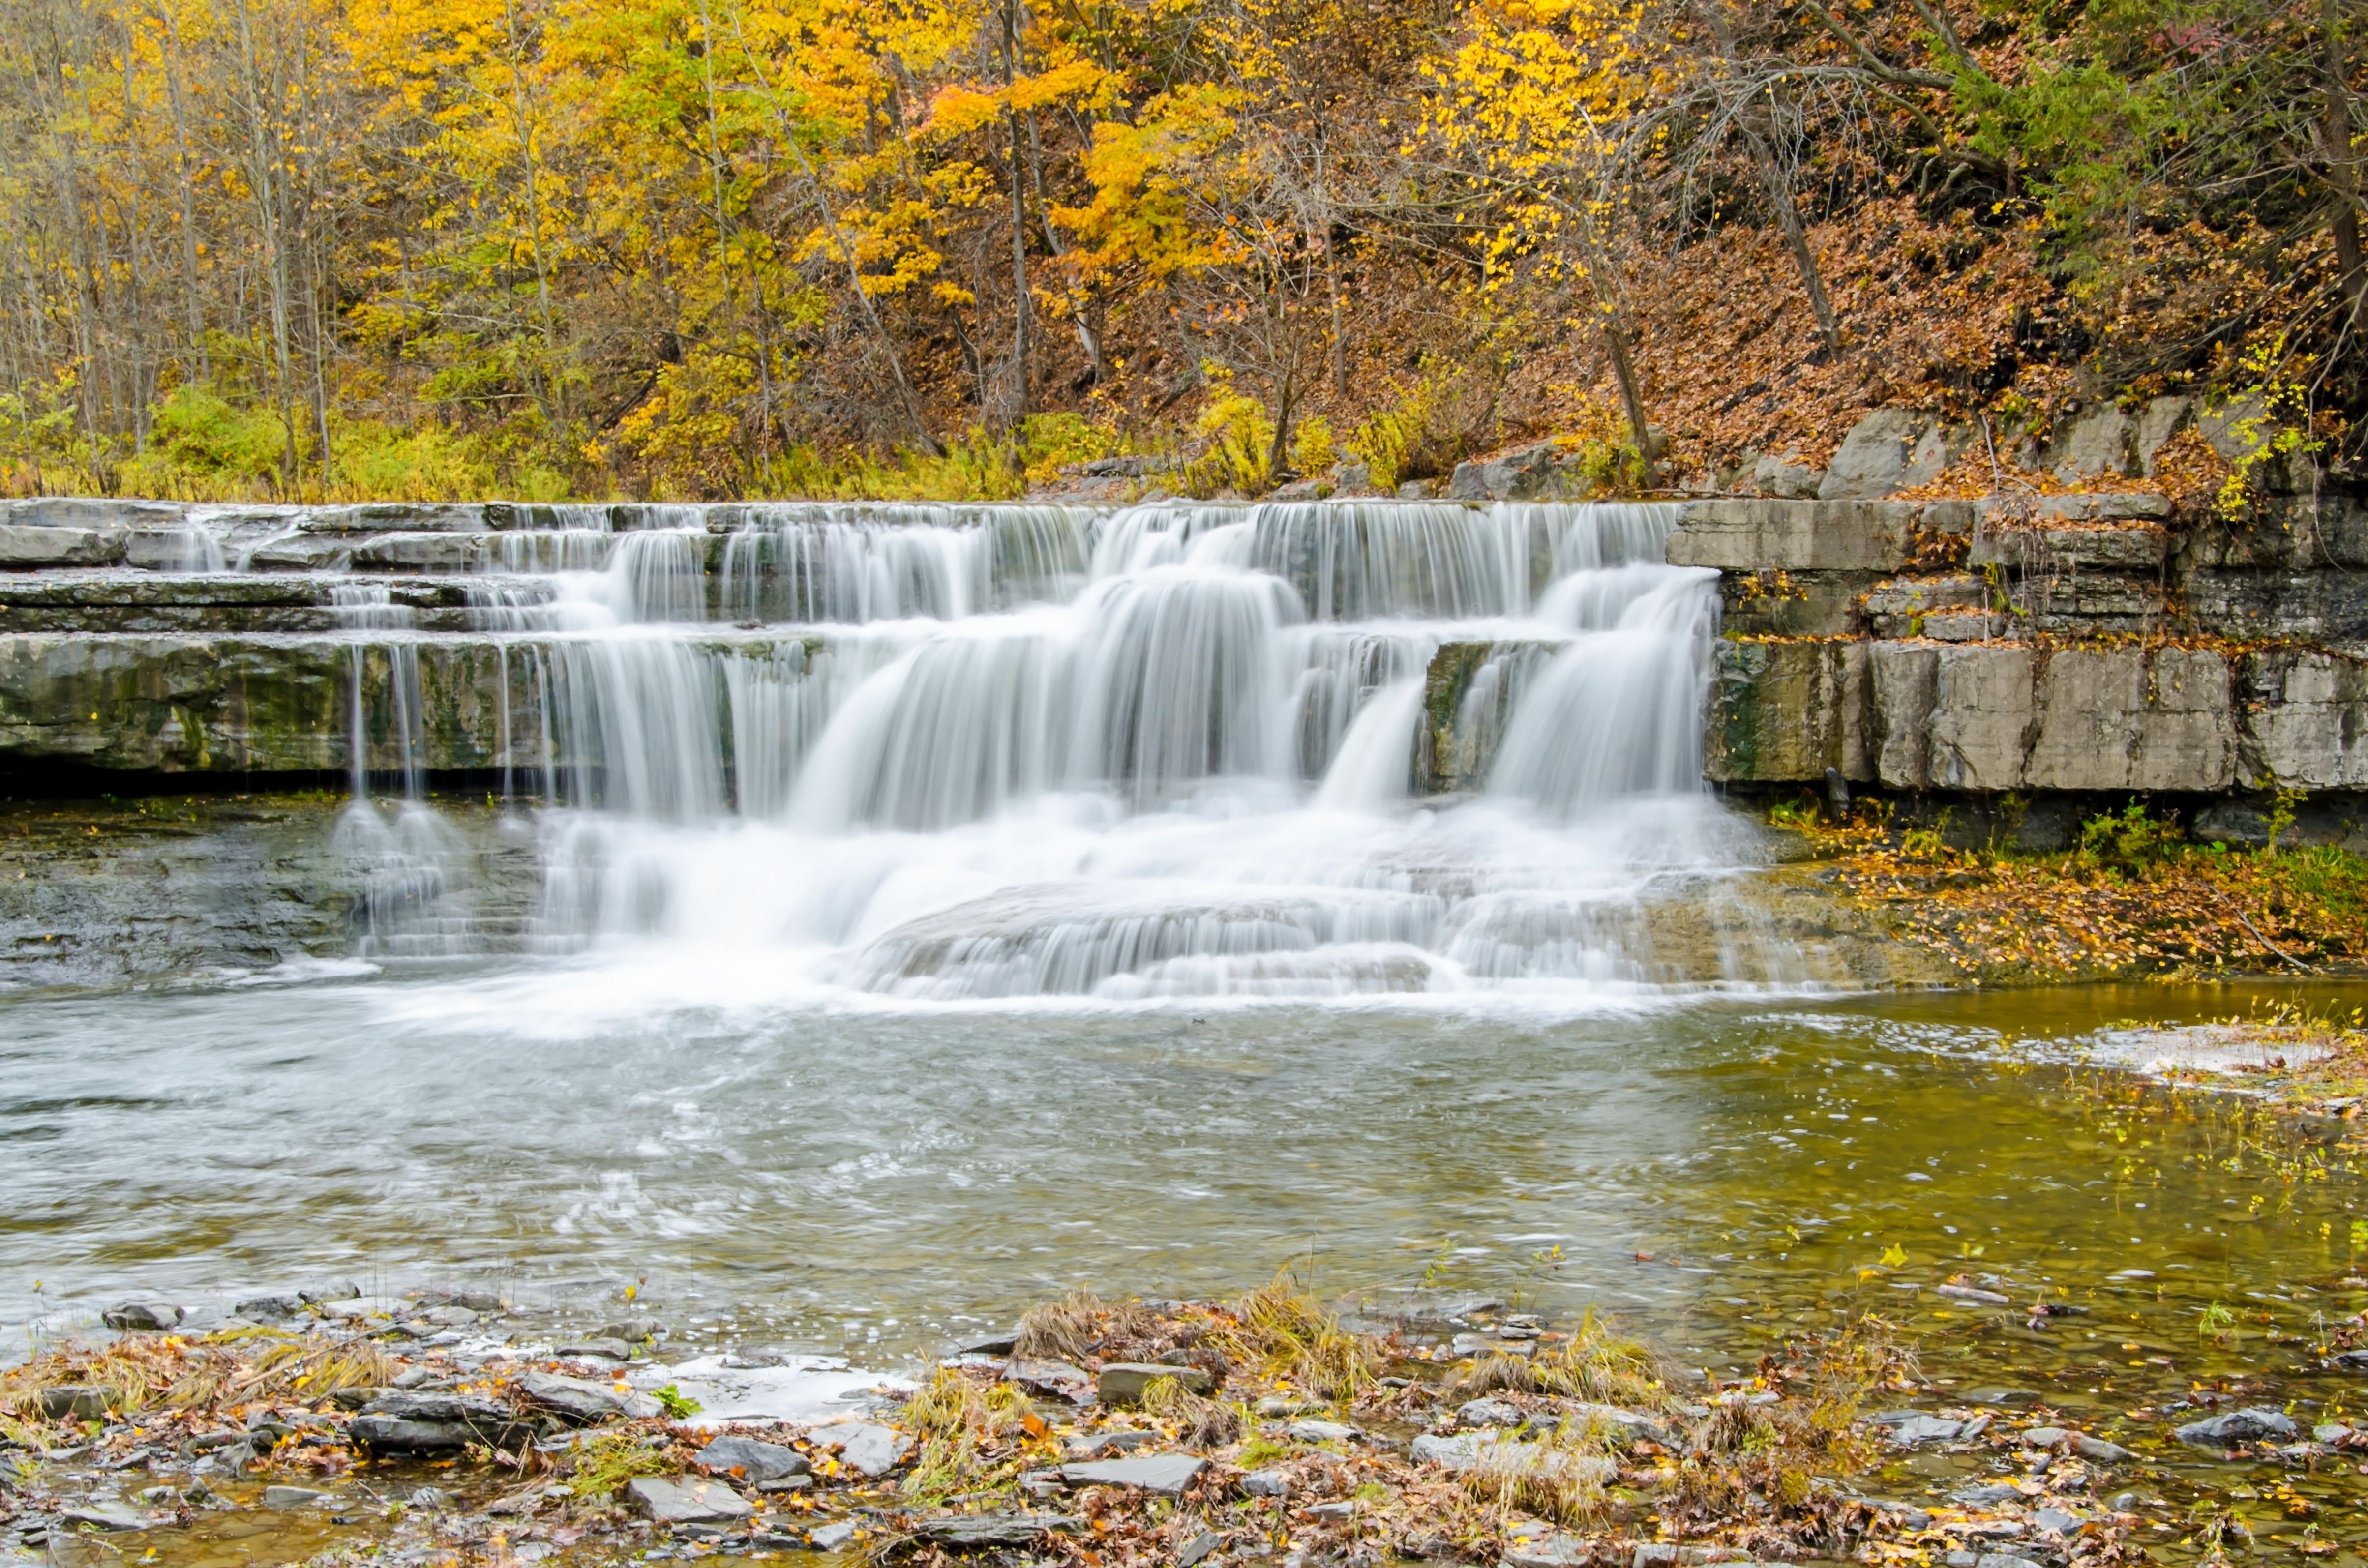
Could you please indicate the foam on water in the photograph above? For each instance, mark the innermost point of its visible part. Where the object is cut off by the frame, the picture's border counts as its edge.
(962, 755)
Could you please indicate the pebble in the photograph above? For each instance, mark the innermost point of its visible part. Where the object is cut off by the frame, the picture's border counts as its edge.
(1167, 1474)
(2003, 1560)
(334, 1290)
(143, 1314)
(2232, 1427)
(435, 1499)
(355, 1307)
(755, 1461)
(1123, 1382)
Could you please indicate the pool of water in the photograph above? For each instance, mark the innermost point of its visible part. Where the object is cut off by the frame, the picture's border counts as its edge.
(1717, 1168)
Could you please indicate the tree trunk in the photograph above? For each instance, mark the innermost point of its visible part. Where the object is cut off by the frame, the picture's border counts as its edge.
(1019, 301)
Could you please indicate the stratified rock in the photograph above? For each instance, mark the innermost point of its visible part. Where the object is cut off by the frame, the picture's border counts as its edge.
(1053, 1380)
(580, 1400)
(1167, 1474)
(994, 1530)
(1890, 449)
(2234, 1427)
(873, 1449)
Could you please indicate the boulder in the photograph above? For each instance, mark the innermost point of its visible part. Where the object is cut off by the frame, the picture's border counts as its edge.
(1888, 450)
(1786, 478)
(2098, 443)
(2236, 1427)
(752, 1460)
(2157, 423)
(873, 1449)
(1522, 476)
(143, 1314)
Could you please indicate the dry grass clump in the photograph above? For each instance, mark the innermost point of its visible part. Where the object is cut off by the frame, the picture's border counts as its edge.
(1200, 1423)
(1078, 1324)
(1288, 1337)
(970, 1436)
(1762, 1461)
(1597, 1364)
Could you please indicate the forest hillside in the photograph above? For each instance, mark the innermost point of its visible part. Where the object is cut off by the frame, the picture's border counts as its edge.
(710, 248)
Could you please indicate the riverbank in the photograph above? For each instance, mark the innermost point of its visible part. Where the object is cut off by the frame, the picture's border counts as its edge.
(1266, 1427)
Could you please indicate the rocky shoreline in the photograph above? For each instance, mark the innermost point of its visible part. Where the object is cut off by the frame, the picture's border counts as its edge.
(414, 1430)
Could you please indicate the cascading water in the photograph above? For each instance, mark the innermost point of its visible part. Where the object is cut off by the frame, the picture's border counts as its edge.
(1169, 750)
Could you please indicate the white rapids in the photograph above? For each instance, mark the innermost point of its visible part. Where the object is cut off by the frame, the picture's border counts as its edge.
(1173, 751)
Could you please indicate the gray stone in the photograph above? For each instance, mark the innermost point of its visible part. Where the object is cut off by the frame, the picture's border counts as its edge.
(580, 1400)
(410, 516)
(1914, 1428)
(1794, 535)
(1973, 1293)
(1787, 478)
(2096, 444)
(2157, 423)
(1052, 1380)
(2055, 1521)
(263, 1308)
(1497, 1454)
(289, 1496)
(753, 1459)
(104, 1517)
(833, 1536)
(632, 1331)
(143, 1314)
(1878, 454)
(2013, 1398)
(600, 1349)
(867, 1446)
(1265, 1484)
(685, 1502)
(1123, 1382)
(392, 1434)
(1199, 1548)
(78, 1400)
(1620, 1427)
(1167, 1474)
(26, 548)
(1321, 1432)
(2234, 1427)
(2237, 428)
(2003, 1560)
(1522, 476)
(1097, 1444)
(334, 1290)
(1491, 1413)
(1987, 1495)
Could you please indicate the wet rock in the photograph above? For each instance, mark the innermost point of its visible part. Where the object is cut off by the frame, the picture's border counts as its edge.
(2055, 1521)
(1002, 1344)
(583, 1401)
(333, 1291)
(2088, 1447)
(2330, 1432)
(104, 1517)
(1914, 1428)
(1321, 1432)
(600, 1349)
(143, 1314)
(415, 1422)
(357, 1308)
(1438, 1310)
(2230, 1428)
(289, 1496)
(2348, 1361)
(994, 1530)
(753, 1460)
(80, 1401)
(2013, 1398)
(632, 1331)
(1988, 1494)
(1491, 1413)
(684, 1502)
(1099, 1443)
(1167, 1474)
(1554, 1552)
(264, 1309)
(1123, 1382)
(433, 1499)
(2003, 1560)
(1622, 1427)
(1053, 1380)
(1975, 1294)
(1265, 1484)
(833, 1536)
(869, 1448)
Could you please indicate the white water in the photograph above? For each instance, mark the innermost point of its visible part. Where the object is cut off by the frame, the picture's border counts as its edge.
(949, 753)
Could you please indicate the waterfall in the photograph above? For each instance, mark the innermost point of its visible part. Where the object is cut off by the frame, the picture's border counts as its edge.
(1169, 750)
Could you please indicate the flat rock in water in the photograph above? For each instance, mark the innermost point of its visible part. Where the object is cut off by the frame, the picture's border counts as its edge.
(1123, 1382)
(289, 1496)
(1554, 1552)
(2233, 1428)
(579, 1399)
(871, 1448)
(684, 1502)
(363, 1307)
(259, 1308)
(104, 1517)
(420, 1404)
(2014, 1399)
(603, 1349)
(2088, 1447)
(1167, 1474)
(1913, 1428)
(331, 1290)
(392, 1434)
(2349, 1361)
(832, 1536)
(1987, 1495)
(143, 1314)
(994, 1530)
(1053, 1380)
(1002, 1344)
(632, 1331)
(1974, 1295)
(753, 1459)
(1622, 1426)
(2056, 1521)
